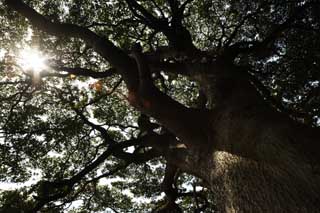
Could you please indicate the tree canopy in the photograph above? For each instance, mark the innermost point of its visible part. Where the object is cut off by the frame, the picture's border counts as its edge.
(71, 119)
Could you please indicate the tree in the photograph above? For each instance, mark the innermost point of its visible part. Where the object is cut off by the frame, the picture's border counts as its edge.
(225, 91)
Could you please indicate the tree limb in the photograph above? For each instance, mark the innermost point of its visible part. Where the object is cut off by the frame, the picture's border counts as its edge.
(117, 57)
(81, 72)
(171, 192)
(145, 16)
(179, 119)
(179, 37)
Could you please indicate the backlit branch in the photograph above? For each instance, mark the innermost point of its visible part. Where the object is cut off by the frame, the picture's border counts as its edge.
(103, 131)
(141, 13)
(168, 186)
(122, 22)
(179, 37)
(79, 71)
(52, 191)
(117, 57)
(109, 173)
(151, 101)
(177, 11)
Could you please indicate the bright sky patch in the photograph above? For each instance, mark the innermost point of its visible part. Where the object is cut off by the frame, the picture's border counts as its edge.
(32, 60)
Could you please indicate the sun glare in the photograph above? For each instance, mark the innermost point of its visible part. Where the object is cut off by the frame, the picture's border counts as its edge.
(32, 60)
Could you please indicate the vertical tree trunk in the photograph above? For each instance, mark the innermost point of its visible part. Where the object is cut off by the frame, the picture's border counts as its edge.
(242, 185)
(256, 159)
(255, 167)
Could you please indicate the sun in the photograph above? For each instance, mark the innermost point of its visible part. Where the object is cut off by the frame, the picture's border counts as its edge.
(32, 60)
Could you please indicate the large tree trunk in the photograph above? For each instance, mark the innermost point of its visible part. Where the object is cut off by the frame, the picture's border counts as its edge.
(255, 158)
(257, 167)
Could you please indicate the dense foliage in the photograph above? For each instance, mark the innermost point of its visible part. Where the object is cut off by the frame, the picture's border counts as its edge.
(56, 126)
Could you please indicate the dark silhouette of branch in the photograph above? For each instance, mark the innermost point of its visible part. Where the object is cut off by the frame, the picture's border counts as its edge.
(196, 195)
(60, 189)
(80, 72)
(109, 173)
(122, 22)
(168, 186)
(117, 57)
(103, 131)
(178, 36)
(141, 13)
(171, 114)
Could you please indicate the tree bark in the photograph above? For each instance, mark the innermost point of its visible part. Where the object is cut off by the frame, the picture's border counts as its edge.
(255, 159)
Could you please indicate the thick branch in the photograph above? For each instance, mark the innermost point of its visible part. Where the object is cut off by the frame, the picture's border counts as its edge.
(137, 158)
(160, 142)
(79, 71)
(61, 189)
(145, 16)
(177, 13)
(171, 192)
(176, 117)
(169, 182)
(118, 58)
(109, 173)
(178, 36)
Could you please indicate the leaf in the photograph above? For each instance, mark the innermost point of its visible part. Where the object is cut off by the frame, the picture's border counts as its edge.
(97, 86)
(72, 76)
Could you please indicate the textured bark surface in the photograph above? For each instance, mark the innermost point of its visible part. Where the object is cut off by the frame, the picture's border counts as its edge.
(259, 159)
(258, 167)
(242, 185)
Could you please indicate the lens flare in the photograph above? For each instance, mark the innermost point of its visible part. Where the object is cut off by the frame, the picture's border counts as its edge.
(32, 60)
